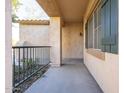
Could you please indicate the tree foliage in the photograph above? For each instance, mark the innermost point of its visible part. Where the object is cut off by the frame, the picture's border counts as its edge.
(15, 6)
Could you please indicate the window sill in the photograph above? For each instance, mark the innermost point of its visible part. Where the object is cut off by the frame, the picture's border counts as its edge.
(96, 53)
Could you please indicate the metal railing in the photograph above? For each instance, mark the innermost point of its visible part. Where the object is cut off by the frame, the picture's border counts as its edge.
(27, 61)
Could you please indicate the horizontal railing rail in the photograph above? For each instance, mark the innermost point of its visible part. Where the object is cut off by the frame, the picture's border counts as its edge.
(31, 46)
(27, 61)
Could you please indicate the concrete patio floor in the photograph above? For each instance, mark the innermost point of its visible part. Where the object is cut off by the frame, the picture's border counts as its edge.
(71, 77)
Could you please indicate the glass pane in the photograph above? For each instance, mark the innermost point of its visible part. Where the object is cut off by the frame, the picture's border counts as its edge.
(99, 38)
(99, 16)
(90, 33)
(97, 31)
(95, 38)
(95, 19)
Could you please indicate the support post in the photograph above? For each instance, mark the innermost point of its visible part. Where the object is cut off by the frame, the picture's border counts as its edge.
(56, 41)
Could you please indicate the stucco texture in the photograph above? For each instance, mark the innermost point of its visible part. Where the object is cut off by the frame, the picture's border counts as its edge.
(35, 34)
(105, 71)
(72, 41)
(55, 40)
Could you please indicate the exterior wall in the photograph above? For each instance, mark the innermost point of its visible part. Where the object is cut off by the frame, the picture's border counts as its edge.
(45, 35)
(15, 33)
(72, 42)
(105, 71)
(8, 47)
(55, 40)
(35, 34)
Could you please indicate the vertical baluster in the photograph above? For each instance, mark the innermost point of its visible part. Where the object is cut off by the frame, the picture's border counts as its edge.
(19, 65)
(23, 63)
(27, 63)
(33, 60)
(47, 51)
(37, 54)
(41, 57)
(49, 54)
(46, 55)
(13, 67)
(30, 62)
(40, 63)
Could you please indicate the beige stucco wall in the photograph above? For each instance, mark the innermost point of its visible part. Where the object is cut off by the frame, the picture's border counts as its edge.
(72, 42)
(35, 34)
(55, 40)
(105, 71)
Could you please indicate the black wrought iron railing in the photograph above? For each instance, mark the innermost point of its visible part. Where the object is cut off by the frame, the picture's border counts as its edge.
(27, 61)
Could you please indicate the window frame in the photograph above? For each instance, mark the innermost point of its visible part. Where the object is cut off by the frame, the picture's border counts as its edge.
(95, 27)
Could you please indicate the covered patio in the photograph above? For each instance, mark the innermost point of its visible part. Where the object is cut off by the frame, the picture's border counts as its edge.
(71, 77)
(79, 43)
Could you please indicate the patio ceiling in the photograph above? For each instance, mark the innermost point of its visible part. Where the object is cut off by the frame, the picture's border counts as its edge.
(69, 10)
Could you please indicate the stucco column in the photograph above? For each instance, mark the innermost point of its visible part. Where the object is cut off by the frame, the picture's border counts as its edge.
(55, 41)
(8, 48)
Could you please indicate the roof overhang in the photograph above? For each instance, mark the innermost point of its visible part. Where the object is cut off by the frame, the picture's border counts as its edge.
(33, 22)
(68, 10)
(50, 7)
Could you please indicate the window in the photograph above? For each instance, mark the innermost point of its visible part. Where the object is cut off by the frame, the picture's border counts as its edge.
(97, 28)
(102, 27)
(94, 30)
(90, 33)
